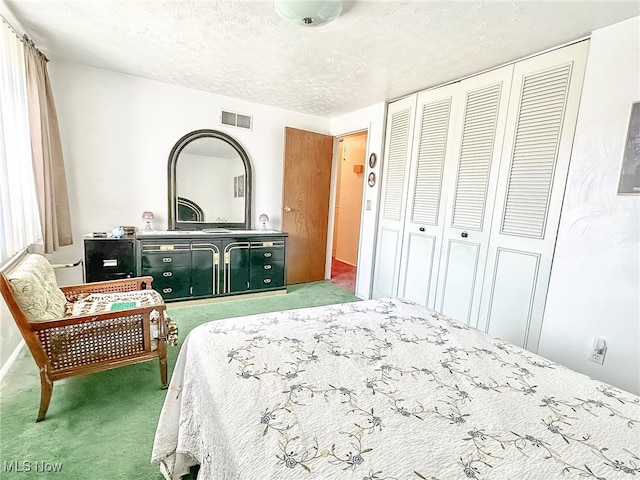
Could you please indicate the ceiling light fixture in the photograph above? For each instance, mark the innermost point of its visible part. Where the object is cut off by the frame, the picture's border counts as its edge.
(308, 13)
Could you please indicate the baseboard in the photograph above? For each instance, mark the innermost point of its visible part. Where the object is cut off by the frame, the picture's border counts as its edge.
(5, 368)
(346, 263)
(226, 298)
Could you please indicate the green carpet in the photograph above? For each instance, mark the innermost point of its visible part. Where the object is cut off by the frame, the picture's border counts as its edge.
(101, 426)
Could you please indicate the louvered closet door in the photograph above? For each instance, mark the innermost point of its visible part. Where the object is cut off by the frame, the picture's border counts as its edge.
(545, 95)
(394, 179)
(433, 142)
(470, 180)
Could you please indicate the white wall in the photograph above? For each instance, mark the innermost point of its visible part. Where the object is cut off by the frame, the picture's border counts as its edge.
(595, 280)
(371, 118)
(118, 130)
(10, 336)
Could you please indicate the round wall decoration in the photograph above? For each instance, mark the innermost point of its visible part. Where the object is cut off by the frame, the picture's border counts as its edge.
(372, 160)
(372, 179)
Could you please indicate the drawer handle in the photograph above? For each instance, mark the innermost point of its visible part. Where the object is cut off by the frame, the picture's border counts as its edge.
(167, 290)
(267, 267)
(267, 254)
(112, 262)
(167, 274)
(167, 259)
(267, 280)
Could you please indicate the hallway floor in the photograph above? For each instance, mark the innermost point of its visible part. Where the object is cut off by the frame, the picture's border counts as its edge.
(343, 275)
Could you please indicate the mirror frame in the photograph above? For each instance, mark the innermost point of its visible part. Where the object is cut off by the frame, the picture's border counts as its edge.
(174, 222)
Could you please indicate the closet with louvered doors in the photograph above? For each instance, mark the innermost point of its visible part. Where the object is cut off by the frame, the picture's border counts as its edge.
(543, 111)
(468, 187)
(473, 199)
(395, 175)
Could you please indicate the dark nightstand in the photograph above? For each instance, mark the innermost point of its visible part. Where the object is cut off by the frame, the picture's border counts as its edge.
(109, 258)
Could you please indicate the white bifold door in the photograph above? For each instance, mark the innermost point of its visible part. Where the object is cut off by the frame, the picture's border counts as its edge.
(395, 174)
(481, 195)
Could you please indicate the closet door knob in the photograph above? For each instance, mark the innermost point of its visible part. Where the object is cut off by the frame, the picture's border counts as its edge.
(287, 209)
(464, 234)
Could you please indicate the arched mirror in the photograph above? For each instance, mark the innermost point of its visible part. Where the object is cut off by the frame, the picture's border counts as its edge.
(209, 183)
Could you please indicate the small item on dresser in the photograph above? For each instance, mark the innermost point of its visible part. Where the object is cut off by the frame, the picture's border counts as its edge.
(117, 232)
(99, 234)
(263, 219)
(128, 230)
(148, 217)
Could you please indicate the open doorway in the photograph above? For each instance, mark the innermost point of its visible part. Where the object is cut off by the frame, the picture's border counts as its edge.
(352, 151)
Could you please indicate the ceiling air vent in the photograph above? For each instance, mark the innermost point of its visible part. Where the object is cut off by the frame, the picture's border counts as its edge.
(236, 120)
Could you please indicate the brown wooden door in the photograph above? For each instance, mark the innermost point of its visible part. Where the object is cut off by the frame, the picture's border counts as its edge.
(305, 201)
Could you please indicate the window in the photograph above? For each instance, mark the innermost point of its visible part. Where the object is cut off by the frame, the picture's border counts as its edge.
(19, 218)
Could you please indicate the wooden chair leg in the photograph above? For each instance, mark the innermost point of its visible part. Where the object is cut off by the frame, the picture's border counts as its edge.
(46, 388)
(162, 357)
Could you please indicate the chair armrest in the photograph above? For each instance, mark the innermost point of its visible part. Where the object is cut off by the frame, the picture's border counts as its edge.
(87, 340)
(96, 317)
(125, 285)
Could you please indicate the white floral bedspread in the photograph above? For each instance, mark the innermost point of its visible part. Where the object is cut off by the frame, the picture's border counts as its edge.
(384, 390)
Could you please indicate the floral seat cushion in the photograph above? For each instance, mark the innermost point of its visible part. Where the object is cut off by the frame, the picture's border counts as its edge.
(36, 289)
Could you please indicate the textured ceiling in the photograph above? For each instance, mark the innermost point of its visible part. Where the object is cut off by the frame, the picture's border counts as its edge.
(374, 51)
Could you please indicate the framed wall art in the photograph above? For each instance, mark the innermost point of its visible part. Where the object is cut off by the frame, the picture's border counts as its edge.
(372, 179)
(238, 186)
(241, 186)
(630, 173)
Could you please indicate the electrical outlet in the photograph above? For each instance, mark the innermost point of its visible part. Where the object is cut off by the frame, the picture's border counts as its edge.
(597, 357)
(598, 351)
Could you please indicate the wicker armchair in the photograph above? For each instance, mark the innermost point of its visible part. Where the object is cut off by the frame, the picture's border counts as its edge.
(64, 345)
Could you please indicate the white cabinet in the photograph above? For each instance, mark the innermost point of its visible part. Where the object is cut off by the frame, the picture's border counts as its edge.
(472, 190)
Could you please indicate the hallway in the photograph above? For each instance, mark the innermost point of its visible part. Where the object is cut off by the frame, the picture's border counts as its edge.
(343, 275)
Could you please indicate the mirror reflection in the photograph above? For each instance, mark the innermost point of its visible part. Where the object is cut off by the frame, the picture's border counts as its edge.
(209, 183)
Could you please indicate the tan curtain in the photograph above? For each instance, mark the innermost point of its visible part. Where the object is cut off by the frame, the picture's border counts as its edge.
(48, 164)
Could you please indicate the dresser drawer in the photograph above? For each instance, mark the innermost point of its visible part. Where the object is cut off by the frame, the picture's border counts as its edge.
(167, 274)
(272, 269)
(267, 281)
(169, 259)
(266, 254)
(170, 292)
(269, 275)
(171, 283)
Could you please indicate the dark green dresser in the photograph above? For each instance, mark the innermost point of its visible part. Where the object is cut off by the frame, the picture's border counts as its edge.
(192, 265)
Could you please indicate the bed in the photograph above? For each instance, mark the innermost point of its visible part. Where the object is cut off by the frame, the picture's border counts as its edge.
(384, 390)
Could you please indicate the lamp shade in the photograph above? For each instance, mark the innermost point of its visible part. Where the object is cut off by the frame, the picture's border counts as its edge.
(310, 13)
